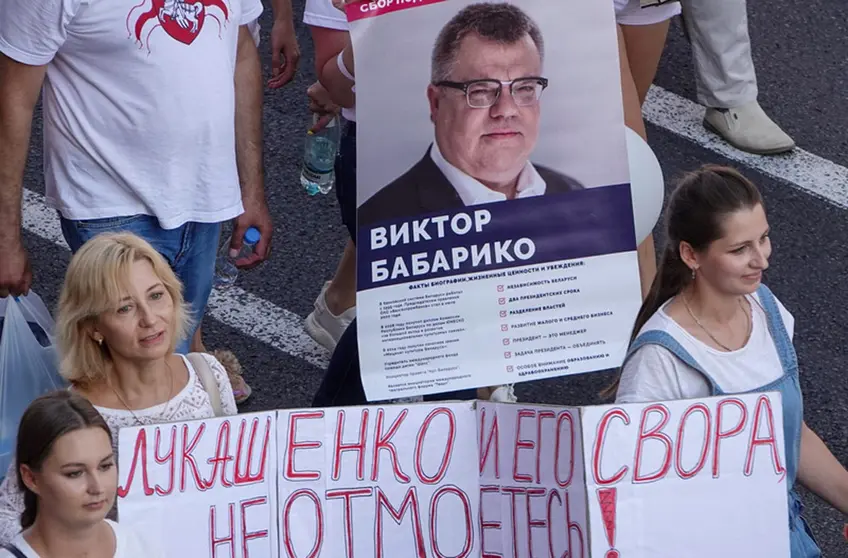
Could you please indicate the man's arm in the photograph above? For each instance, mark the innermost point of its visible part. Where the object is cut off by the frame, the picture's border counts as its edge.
(283, 39)
(249, 151)
(328, 44)
(20, 85)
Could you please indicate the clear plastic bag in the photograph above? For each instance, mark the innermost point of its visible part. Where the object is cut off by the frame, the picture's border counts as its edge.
(29, 365)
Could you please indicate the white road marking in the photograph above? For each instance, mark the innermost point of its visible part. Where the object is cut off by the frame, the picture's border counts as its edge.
(283, 330)
(234, 307)
(801, 169)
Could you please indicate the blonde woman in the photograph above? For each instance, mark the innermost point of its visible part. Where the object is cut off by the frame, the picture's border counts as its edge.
(121, 313)
(66, 472)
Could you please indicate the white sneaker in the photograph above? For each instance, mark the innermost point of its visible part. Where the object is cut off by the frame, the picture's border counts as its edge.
(748, 128)
(504, 394)
(325, 327)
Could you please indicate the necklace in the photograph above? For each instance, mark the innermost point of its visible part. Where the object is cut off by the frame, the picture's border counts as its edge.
(748, 321)
(167, 401)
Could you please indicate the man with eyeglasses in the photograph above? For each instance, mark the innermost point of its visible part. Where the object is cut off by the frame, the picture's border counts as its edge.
(484, 95)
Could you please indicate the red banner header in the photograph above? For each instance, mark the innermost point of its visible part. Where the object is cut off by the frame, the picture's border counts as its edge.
(374, 8)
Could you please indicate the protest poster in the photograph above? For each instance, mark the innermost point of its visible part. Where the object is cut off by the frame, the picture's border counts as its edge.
(532, 495)
(698, 478)
(482, 104)
(381, 482)
(475, 479)
(204, 487)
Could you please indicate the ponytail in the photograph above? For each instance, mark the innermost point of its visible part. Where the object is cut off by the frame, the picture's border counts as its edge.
(672, 277)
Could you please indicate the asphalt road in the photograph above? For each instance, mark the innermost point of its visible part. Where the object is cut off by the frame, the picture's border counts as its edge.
(802, 63)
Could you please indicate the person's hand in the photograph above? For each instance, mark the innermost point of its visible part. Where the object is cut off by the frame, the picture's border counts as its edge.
(15, 271)
(255, 215)
(285, 53)
(321, 104)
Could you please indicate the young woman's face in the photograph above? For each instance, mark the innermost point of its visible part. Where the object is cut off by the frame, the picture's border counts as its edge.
(141, 327)
(78, 480)
(734, 264)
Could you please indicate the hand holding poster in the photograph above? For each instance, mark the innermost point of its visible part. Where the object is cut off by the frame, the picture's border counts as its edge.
(700, 479)
(487, 103)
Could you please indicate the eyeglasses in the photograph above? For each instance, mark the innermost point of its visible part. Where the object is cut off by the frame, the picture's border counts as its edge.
(484, 93)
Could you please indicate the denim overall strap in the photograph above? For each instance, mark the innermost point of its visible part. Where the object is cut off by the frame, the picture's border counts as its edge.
(789, 387)
(802, 541)
(665, 340)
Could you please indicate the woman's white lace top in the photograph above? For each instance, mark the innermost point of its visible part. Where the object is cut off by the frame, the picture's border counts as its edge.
(191, 403)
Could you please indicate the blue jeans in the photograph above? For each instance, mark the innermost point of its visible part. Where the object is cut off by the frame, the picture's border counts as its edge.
(190, 250)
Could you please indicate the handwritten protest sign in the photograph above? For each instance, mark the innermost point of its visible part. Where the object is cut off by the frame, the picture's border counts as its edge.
(407, 473)
(203, 488)
(687, 478)
(699, 478)
(496, 238)
(533, 499)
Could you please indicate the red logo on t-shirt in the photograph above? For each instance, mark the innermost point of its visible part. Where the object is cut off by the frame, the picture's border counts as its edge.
(181, 19)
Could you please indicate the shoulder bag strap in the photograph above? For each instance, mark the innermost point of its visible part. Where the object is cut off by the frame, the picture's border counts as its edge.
(207, 378)
(16, 552)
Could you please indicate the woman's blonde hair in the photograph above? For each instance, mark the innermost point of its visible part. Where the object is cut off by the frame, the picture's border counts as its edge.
(95, 283)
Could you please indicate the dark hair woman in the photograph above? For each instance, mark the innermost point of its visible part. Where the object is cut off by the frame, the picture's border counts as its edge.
(66, 470)
(709, 327)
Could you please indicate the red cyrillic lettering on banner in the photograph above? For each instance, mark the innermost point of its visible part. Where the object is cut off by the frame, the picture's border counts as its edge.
(484, 524)
(358, 447)
(188, 458)
(288, 545)
(533, 523)
(598, 446)
(655, 433)
(383, 443)
(513, 491)
(222, 457)
(705, 447)
(348, 494)
(569, 526)
(409, 501)
(521, 444)
(494, 438)
(245, 477)
(139, 459)
(229, 539)
(289, 472)
(763, 407)
(247, 536)
(719, 435)
(469, 521)
(446, 457)
(541, 417)
(168, 458)
(564, 416)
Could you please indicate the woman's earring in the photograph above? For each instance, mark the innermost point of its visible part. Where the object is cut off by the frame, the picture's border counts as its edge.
(693, 274)
(99, 340)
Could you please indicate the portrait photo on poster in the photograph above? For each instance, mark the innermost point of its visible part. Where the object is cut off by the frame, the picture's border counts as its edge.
(462, 105)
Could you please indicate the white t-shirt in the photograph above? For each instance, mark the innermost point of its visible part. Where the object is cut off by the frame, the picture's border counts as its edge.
(138, 103)
(129, 545)
(655, 374)
(322, 13)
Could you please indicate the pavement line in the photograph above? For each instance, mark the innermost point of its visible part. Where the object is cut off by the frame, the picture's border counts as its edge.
(803, 170)
(234, 307)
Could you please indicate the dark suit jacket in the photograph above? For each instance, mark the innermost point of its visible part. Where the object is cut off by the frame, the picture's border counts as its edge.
(424, 189)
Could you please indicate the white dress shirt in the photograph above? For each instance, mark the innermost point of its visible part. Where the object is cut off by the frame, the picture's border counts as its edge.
(473, 192)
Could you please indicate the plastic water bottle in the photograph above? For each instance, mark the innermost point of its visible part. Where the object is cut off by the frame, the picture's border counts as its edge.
(226, 271)
(317, 173)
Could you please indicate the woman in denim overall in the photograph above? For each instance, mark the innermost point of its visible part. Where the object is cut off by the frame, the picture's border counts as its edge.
(706, 203)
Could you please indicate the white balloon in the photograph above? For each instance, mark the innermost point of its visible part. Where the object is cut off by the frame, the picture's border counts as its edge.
(647, 185)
